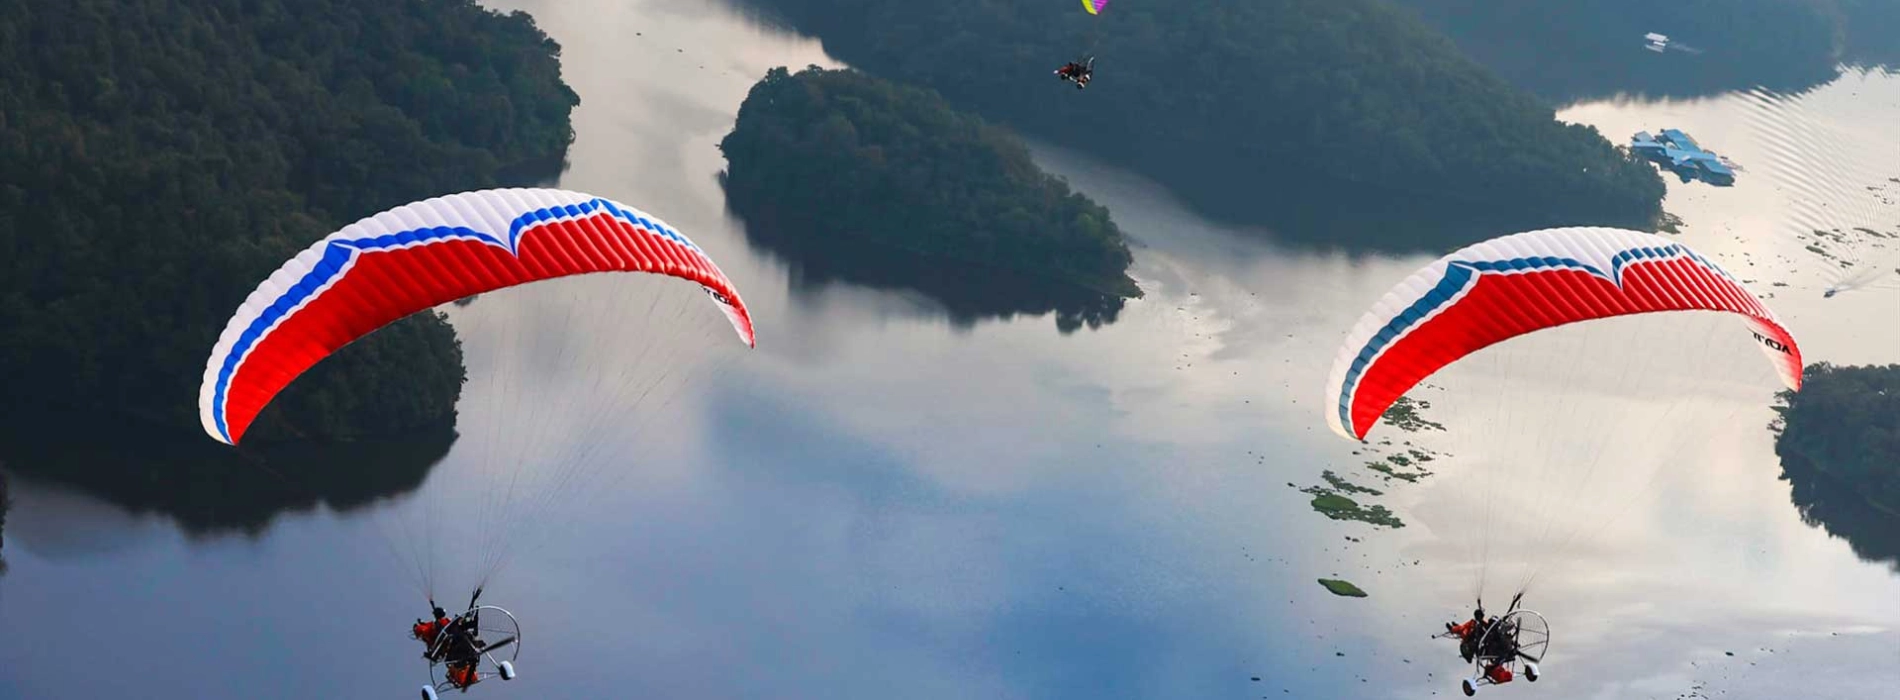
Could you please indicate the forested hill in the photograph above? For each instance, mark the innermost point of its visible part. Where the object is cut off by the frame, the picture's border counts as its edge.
(1844, 427)
(836, 158)
(158, 158)
(1235, 104)
(1567, 50)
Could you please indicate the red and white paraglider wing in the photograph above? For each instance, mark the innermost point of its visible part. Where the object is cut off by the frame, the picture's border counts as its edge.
(1522, 283)
(421, 255)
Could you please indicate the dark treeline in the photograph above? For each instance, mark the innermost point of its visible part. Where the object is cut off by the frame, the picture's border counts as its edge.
(1844, 427)
(159, 157)
(827, 163)
(1247, 109)
(1569, 51)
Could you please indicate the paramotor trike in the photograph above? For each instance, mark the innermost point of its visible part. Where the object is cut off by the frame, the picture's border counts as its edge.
(1513, 645)
(485, 636)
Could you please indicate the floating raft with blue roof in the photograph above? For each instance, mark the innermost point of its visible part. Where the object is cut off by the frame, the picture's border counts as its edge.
(1683, 156)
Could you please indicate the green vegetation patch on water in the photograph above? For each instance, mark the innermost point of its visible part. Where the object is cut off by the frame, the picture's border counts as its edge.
(1332, 505)
(1857, 238)
(1342, 588)
(1406, 463)
(1396, 467)
(1345, 486)
(1404, 415)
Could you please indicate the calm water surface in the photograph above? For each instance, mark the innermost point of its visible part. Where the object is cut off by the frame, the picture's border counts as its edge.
(879, 503)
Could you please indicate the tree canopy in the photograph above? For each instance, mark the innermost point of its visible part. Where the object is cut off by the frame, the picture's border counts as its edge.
(1240, 106)
(1844, 426)
(840, 156)
(160, 157)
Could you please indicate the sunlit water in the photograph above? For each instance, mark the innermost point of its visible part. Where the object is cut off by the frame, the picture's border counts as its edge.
(874, 504)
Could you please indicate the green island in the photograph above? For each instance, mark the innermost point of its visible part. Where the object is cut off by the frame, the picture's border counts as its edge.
(1342, 588)
(1843, 428)
(161, 157)
(823, 164)
(1351, 107)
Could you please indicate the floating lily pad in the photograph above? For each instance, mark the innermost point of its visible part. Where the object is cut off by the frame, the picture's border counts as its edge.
(1342, 588)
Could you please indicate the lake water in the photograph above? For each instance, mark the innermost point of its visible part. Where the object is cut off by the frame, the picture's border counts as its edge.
(883, 501)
